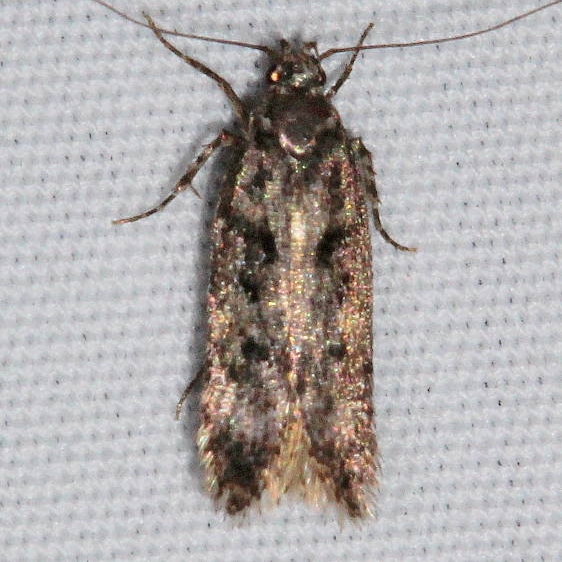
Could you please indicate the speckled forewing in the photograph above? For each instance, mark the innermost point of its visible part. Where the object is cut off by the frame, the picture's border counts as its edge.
(287, 402)
(337, 394)
(244, 398)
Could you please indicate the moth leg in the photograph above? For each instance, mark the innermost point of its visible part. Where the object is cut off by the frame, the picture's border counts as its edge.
(187, 391)
(236, 102)
(349, 66)
(364, 162)
(224, 139)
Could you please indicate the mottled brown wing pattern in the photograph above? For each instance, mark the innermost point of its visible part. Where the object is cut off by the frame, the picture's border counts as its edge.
(243, 398)
(287, 404)
(339, 413)
(287, 400)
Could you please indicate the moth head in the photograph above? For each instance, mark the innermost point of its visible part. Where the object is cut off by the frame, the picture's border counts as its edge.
(296, 68)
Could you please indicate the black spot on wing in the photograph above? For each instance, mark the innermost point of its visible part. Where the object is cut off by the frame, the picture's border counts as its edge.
(268, 245)
(329, 242)
(254, 351)
(260, 178)
(337, 350)
(251, 286)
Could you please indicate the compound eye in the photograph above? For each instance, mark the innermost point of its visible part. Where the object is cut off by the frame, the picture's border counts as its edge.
(283, 72)
(275, 74)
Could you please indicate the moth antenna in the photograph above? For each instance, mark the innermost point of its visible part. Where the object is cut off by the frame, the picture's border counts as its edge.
(331, 52)
(188, 35)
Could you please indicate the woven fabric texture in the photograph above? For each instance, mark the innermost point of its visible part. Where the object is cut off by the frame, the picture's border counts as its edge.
(102, 325)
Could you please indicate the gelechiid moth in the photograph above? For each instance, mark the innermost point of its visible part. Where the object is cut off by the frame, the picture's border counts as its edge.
(286, 402)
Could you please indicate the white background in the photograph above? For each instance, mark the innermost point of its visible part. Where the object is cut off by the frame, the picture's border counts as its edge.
(101, 325)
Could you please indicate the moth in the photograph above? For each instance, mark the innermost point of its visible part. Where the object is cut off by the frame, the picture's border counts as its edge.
(286, 403)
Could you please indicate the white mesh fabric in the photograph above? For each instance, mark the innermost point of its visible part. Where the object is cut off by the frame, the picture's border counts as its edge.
(101, 325)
